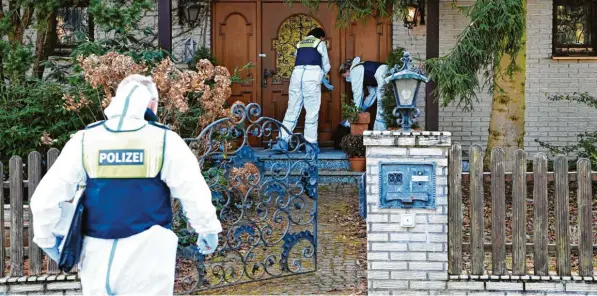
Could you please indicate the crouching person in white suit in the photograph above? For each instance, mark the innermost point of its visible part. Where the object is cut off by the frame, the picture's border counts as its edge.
(131, 168)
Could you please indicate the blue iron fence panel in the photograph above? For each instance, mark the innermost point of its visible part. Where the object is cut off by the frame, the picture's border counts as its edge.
(268, 216)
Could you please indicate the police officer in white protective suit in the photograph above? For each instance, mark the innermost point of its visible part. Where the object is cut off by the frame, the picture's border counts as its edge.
(370, 75)
(131, 168)
(311, 65)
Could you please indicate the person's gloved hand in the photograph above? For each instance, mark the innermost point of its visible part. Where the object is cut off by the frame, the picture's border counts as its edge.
(53, 251)
(207, 243)
(327, 84)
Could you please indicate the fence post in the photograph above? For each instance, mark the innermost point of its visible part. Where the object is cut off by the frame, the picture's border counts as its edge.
(519, 215)
(52, 156)
(2, 237)
(498, 212)
(541, 241)
(16, 217)
(585, 216)
(34, 176)
(455, 209)
(562, 209)
(477, 222)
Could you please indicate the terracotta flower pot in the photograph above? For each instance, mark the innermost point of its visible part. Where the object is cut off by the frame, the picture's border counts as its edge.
(361, 125)
(357, 163)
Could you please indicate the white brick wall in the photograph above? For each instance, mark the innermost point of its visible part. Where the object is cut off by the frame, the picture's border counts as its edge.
(558, 123)
(417, 256)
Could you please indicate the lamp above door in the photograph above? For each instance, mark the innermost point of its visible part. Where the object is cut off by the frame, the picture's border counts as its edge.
(189, 11)
(415, 12)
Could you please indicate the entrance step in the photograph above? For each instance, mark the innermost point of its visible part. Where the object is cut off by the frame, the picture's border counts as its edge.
(333, 165)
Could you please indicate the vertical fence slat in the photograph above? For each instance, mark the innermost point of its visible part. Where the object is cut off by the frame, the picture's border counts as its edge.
(562, 208)
(541, 241)
(34, 176)
(16, 217)
(476, 209)
(519, 211)
(498, 212)
(2, 237)
(455, 209)
(585, 216)
(52, 156)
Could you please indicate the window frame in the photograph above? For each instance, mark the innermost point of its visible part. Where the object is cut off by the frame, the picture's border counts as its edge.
(592, 7)
(60, 49)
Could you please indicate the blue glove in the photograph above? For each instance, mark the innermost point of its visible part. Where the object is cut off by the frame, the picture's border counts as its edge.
(53, 252)
(327, 84)
(207, 243)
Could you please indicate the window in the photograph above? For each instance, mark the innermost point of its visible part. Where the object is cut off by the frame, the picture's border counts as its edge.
(73, 26)
(574, 28)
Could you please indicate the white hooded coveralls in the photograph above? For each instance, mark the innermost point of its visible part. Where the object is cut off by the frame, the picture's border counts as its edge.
(305, 91)
(357, 74)
(142, 264)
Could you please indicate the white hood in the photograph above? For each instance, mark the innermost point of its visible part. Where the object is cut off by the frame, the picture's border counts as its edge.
(127, 109)
(355, 61)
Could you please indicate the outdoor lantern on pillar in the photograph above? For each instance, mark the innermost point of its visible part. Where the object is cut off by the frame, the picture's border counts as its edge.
(406, 83)
(190, 48)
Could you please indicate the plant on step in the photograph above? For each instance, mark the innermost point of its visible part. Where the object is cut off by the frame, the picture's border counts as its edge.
(353, 146)
(349, 111)
(587, 141)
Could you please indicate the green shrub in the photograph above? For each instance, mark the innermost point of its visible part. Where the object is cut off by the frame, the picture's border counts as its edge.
(353, 145)
(587, 141)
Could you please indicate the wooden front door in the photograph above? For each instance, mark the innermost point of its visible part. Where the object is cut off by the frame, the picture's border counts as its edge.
(282, 28)
(265, 33)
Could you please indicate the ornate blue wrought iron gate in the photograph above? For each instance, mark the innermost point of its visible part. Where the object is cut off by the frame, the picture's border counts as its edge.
(268, 211)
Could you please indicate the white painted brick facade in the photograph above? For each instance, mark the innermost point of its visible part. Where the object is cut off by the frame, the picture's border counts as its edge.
(554, 122)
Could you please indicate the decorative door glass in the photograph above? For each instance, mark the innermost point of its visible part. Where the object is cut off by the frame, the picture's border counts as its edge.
(292, 30)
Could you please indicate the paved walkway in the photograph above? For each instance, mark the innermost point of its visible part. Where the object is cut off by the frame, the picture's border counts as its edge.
(341, 255)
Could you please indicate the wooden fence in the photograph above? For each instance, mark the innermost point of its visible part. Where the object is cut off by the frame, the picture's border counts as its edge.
(519, 249)
(17, 252)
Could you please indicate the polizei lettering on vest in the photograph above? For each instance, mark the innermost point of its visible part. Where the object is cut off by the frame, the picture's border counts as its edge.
(121, 157)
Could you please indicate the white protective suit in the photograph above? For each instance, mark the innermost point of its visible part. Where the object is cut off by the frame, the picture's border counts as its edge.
(357, 74)
(305, 91)
(144, 263)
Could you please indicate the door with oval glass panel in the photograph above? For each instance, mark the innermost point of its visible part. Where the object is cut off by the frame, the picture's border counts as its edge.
(283, 26)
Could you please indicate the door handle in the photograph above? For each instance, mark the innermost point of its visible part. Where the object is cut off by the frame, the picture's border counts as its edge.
(266, 74)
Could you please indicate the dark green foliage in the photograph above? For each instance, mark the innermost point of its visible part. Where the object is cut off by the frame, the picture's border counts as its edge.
(587, 141)
(358, 10)
(29, 109)
(201, 53)
(350, 111)
(497, 28)
(352, 145)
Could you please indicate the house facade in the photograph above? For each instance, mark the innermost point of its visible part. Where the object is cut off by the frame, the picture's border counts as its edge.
(264, 32)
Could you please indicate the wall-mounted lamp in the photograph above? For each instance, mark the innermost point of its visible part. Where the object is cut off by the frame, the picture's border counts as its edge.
(415, 11)
(189, 11)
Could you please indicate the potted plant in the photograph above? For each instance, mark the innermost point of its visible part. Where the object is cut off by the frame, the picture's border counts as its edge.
(353, 146)
(359, 121)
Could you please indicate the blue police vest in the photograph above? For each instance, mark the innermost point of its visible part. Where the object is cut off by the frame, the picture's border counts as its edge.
(124, 193)
(369, 73)
(307, 54)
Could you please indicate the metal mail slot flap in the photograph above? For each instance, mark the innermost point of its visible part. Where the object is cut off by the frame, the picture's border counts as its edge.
(408, 197)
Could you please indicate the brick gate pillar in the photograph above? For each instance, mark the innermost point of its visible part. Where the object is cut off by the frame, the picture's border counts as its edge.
(407, 218)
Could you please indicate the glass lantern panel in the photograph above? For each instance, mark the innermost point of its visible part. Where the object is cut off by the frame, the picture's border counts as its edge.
(406, 90)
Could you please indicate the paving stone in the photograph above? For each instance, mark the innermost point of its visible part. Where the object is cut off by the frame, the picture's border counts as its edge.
(338, 252)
